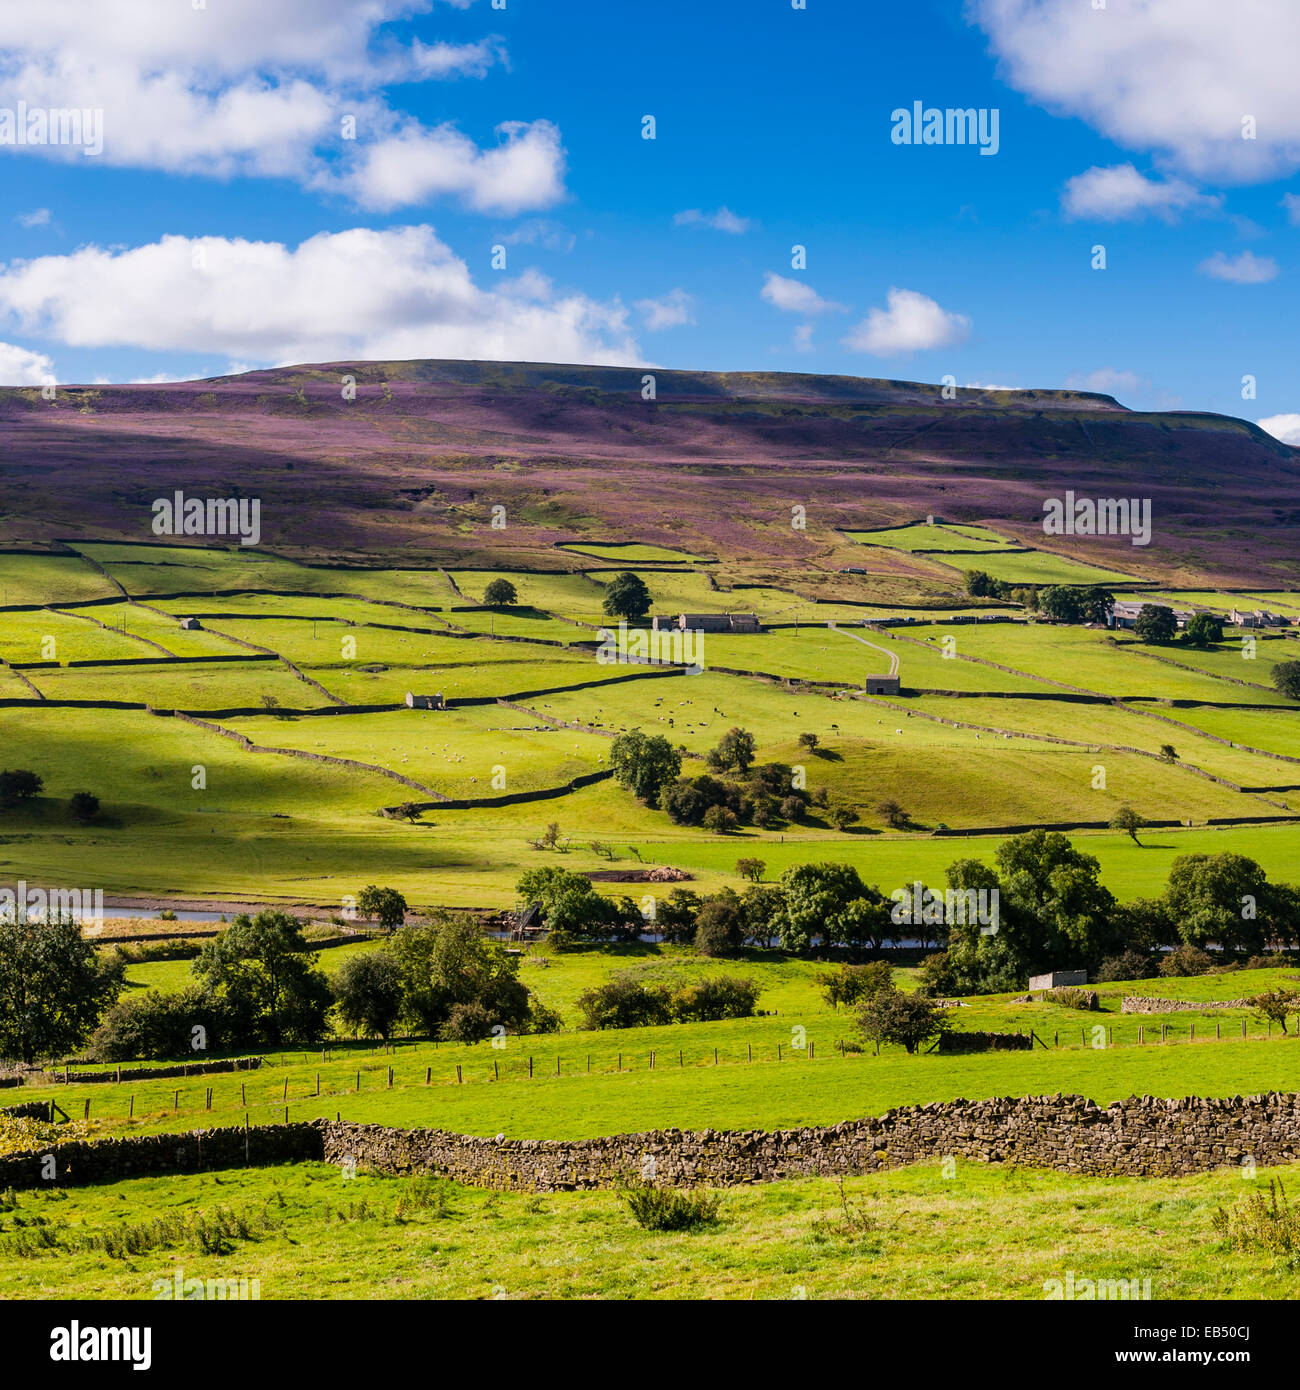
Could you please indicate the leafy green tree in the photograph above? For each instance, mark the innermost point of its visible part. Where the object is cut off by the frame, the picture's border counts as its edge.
(734, 752)
(627, 597)
(450, 962)
(852, 984)
(1286, 679)
(752, 869)
(978, 584)
(907, 1020)
(1095, 603)
(841, 815)
(368, 993)
(644, 764)
(1126, 819)
(261, 970)
(1062, 603)
(721, 820)
(383, 905)
(1276, 1005)
(830, 901)
(1155, 623)
(83, 806)
(1203, 630)
(1047, 882)
(809, 741)
(1221, 898)
(19, 785)
(54, 989)
(500, 593)
(720, 924)
(893, 815)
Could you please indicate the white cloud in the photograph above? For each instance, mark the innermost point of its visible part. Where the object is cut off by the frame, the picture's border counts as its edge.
(1243, 269)
(1108, 381)
(987, 386)
(795, 297)
(1291, 202)
(1172, 76)
(1119, 192)
(538, 231)
(673, 309)
(803, 338)
(912, 323)
(526, 170)
(1283, 427)
(38, 217)
(240, 87)
(397, 293)
(724, 220)
(21, 367)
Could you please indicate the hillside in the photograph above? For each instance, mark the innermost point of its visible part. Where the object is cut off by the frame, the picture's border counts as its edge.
(409, 469)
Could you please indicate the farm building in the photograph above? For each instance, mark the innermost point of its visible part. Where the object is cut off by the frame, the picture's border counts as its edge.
(191, 624)
(1258, 617)
(414, 701)
(710, 622)
(1124, 613)
(1059, 979)
(882, 685)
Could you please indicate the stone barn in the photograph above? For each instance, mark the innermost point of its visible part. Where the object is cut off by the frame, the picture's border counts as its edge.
(882, 685)
(414, 701)
(191, 624)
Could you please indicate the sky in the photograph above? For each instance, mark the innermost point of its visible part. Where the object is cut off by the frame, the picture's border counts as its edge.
(262, 182)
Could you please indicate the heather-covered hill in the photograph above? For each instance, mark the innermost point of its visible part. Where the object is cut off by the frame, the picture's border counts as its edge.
(411, 466)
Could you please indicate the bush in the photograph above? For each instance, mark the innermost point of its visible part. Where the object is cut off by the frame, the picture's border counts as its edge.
(1065, 997)
(714, 998)
(543, 1019)
(624, 1002)
(1185, 960)
(720, 925)
(468, 1022)
(909, 1020)
(851, 984)
(666, 1209)
(1129, 965)
(1260, 1223)
(156, 1025)
(935, 977)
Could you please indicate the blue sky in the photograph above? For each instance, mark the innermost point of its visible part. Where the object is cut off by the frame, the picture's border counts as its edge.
(227, 222)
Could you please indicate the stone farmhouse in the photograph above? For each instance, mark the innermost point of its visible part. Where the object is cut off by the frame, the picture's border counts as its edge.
(414, 701)
(709, 622)
(1124, 613)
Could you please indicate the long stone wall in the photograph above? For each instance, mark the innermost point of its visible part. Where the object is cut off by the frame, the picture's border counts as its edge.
(1141, 1136)
(1149, 1004)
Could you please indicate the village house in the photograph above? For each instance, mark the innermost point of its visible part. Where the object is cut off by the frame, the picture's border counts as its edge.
(1258, 617)
(1124, 613)
(414, 701)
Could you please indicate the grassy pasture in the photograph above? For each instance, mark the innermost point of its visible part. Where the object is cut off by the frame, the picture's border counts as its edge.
(197, 687)
(1276, 731)
(1042, 567)
(50, 579)
(633, 554)
(167, 632)
(51, 636)
(919, 1235)
(157, 569)
(482, 751)
(920, 536)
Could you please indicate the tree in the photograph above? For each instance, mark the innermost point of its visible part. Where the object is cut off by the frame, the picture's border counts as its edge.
(625, 1002)
(54, 989)
(734, 753)
(752, 869)
(261, 970)
(500, 593)
(831, 901)
(720, 925)
(719, 819)
(1052, 904)
(449, 963)
(1155, 623)
(627, 597)
(1275, 1004)
(384, 905)
(852, 984)
(19, 785)
(571, 905)
(368, 992)
(83, 806)
(408, 810)
(1221, 898)
(889, 1016)
(841, 815)
(1168, 752)
(1095, 603)
(978, 584)
(1203, 630)
(644, 764)
(893, 815)
(809, 741)
(1129, 821)
(1286, 679)
(1062, 603)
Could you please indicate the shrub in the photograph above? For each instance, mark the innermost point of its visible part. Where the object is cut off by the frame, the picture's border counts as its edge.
(542, 1018)
(1129, 965)
(935, 977)
(666, 1209)
(719, 819)
(624, 1002)
(157, 1025)
(467, 1022)
(720, 925)
(1185, 960)
(1260, 1223)
(1066, 997)
(851, 984)
(715, 997)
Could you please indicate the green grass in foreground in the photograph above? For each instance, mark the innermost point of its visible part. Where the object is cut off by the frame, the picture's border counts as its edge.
(910, 1233)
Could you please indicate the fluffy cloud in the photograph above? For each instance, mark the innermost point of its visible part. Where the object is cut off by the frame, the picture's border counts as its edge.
(1108, 381)
(1112, 194)
(1244, 269)
(912, 323)
(243, 87)
(20, 367)
(526, 170)
(794, 296)
(674, 309)
(38, 217)
(724, 220)
(1283, 427)
(1173, 76)
(398, 293)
